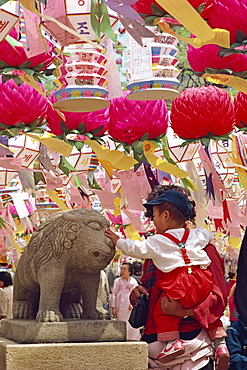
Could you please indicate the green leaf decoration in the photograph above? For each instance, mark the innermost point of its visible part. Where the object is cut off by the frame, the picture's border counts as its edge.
(65, 166)
(6, 78)
(95, 16)
(29, 71)
(18, 81)
(3, 223)
(8, 69)
(64, 127)
(156, 10)
(79, 145)
(145, 137)
(94, 184)
(74, 132)
(38, 176)
(105, 24)
(240, 36)
(77, 181)
(2, 2)
(38, 67)
(27, 64)
(88, 134)
(81, 128)
(149, 21)
(96, 130)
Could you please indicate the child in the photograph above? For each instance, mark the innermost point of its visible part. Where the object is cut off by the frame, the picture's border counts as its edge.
(181, 264)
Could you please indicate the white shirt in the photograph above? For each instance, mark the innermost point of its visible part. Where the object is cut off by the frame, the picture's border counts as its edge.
(165, 254)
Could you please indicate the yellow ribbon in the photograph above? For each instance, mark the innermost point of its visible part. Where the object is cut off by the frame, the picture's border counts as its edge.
(184, 13)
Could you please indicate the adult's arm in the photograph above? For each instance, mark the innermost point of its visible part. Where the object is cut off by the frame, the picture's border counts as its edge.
(235, 346)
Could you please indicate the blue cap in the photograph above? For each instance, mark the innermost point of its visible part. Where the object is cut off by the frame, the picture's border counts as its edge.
(179, 200)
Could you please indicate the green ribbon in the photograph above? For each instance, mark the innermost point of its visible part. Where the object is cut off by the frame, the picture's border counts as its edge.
(65, 166)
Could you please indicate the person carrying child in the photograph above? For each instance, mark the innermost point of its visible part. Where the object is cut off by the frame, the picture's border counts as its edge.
(181, 266)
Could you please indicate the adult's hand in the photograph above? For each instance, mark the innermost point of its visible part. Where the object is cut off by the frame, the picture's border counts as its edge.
(136, 292)
(114, 312)
(173, 307)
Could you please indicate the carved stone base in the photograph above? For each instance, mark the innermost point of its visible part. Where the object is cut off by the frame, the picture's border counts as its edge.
(30, 331)
(73, 356)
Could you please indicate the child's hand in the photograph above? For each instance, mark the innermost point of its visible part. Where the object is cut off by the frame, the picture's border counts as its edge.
(110, 234)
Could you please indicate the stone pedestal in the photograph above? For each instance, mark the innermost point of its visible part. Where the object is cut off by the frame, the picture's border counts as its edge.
(61, 346)
(73, 356)
(30, 331)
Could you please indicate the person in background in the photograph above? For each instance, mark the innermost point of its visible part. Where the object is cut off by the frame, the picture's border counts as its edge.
(237, 333)
(120, 304)
(6, 295)
(137, 271)
(230, 281)
(105, 295)
(232, 306)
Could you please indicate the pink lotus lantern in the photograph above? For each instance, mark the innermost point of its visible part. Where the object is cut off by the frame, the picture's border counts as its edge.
(132, 120)
(240, 107)
(96, 122)
(21, 106)
(145, 6)
(227, 14)
(202, 113)
(207, 59)
(16, 56)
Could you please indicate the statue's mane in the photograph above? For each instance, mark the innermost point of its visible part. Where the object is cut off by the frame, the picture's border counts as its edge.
(58, 233)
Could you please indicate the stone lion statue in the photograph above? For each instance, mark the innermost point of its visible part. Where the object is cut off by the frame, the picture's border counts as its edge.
(61, 267)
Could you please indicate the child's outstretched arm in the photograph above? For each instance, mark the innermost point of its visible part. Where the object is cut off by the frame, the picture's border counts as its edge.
(110, 234)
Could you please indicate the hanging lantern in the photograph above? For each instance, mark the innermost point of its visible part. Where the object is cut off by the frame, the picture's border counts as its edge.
(130, 121)
(83, 81)
(82, 78)
(207, 59)
(192, 118)
(153, 69)
(91, 123)
(16, 57)
(21, 108)
(240, 107)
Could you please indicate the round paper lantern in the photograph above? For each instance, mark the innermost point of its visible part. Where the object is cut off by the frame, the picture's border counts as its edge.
(207, 57)
(16, 56)
(202, 112)
(131, 120)
(97, 121)
(159, 80)
(227, 14)
(83, 79)
(21, 104)
(240, 107)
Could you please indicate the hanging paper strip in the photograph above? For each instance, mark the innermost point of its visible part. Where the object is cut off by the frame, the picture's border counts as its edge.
(184, 12)
(23, 33)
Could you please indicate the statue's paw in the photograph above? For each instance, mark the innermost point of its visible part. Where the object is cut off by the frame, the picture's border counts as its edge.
(73, 311)
(92, 315)
(23, 310)
(49, 316)
(105, 313)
